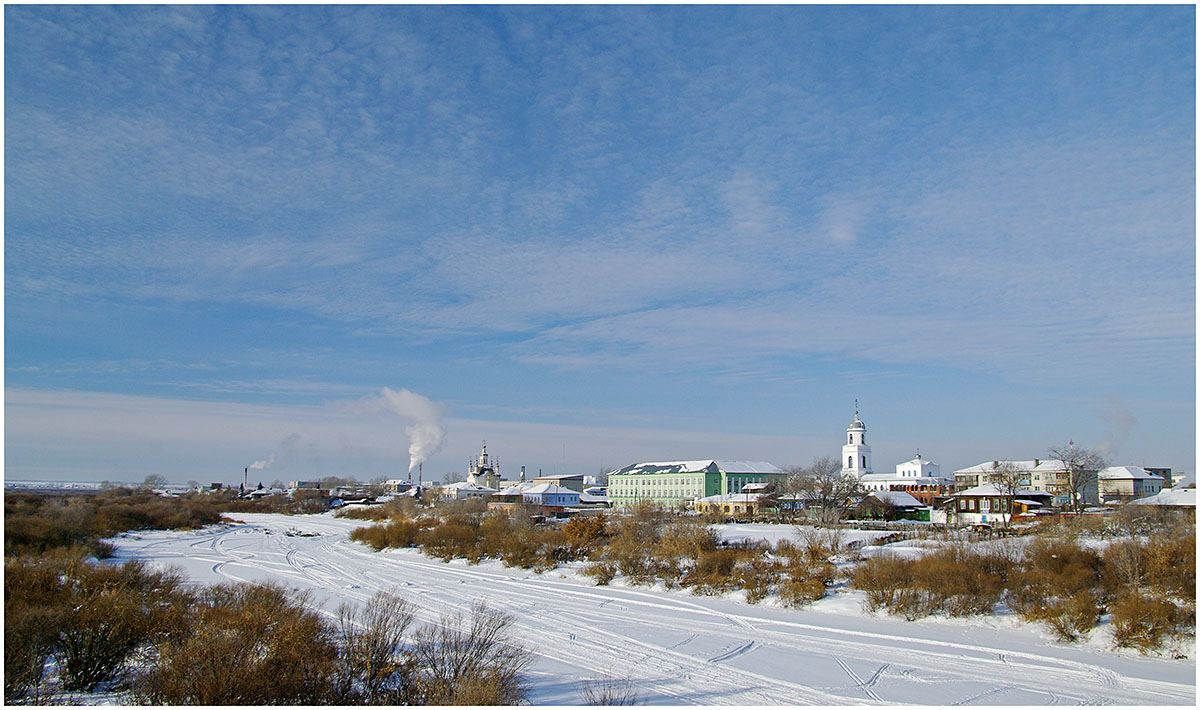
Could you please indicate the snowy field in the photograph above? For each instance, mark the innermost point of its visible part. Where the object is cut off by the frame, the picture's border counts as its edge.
(683, 649)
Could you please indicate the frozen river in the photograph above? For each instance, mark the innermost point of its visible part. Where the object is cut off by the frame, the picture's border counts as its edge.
(679, 648)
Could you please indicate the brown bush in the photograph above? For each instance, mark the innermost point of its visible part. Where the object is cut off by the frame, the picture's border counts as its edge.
(586, 531)
(603, 572)
(1059, 583)
(37, 523)
(630, 548)
(799, 592)
(34, 597)
(400, 533)
(679, 543)
(1143, 622)
(713, 571)
(375, 512)
(246, 645)
(455, 537)
(495, 529)
(953, 581)
(759, 576)
(1171, 565)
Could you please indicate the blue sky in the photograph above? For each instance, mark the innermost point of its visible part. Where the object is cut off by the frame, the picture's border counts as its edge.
(594, 235)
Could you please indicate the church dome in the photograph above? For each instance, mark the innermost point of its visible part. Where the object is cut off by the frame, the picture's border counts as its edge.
(856, 425)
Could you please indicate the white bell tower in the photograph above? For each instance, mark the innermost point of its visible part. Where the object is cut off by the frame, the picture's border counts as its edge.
(856, 455)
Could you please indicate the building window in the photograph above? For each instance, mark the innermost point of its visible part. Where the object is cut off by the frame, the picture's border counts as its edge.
(849, 462)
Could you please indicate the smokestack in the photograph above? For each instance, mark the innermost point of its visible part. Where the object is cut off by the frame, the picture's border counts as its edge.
(246, 477)
(420, 467)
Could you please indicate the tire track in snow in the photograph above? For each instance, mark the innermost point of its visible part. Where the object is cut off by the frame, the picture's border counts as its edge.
(331, 563)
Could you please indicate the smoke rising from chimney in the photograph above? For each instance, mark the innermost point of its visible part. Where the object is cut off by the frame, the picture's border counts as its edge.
(257, 465)
(426, 434)
(1116, 413)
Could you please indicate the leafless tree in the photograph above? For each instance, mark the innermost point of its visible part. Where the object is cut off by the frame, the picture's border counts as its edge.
(822, 487)
(1008, 479)
(154, 480)
(374, 664)
(1081, 468)
(452, 477)
(471, 662)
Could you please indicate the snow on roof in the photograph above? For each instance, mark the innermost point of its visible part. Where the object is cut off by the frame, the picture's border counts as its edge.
(706, 466)
(1126, 472)
(731, 498)
(516, 489)
(1183, 480)
(468, 486)
(550, 489)
(889, 477)
(592, 498)
(900, 499)
(918, 462)
(1176, 497)
(989, 466)
(989, 489)
(560, 477)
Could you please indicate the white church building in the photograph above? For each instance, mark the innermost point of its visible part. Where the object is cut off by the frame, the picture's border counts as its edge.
(856, 454)
(918, 477)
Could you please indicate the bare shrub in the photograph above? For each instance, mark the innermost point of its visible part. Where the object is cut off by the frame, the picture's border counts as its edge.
(631, 547)
(586, 532)
(820, 543)
(34, 597)
(758, 577)
(520, 549)
(375, 512)
(953, 581)
(799, 592)
(246, 645)
(373, 666)
(109, 613)
(1143, 622)
(456, 537)
(494, 529)
(1058, 583)
(602, 572)
(609, 691)
(399, 533)
(1171, 564)
(472, 662)
(680, 542)
(713, 572)
(882, 577)
(806, 580)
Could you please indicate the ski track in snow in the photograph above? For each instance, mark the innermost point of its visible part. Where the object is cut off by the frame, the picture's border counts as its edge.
(680, 649)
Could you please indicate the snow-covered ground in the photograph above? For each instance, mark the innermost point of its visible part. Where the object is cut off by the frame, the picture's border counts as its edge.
(680, 648)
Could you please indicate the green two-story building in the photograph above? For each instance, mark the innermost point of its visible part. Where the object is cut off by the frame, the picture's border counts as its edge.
(671, 483)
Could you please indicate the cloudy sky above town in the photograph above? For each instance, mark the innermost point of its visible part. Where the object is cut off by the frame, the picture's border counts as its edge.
(594, 235)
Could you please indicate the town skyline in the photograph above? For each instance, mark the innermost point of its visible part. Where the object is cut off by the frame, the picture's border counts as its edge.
(594, 236)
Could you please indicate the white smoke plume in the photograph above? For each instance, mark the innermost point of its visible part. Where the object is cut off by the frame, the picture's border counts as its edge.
(263, 464)
(1117, 414)
(426, 433)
